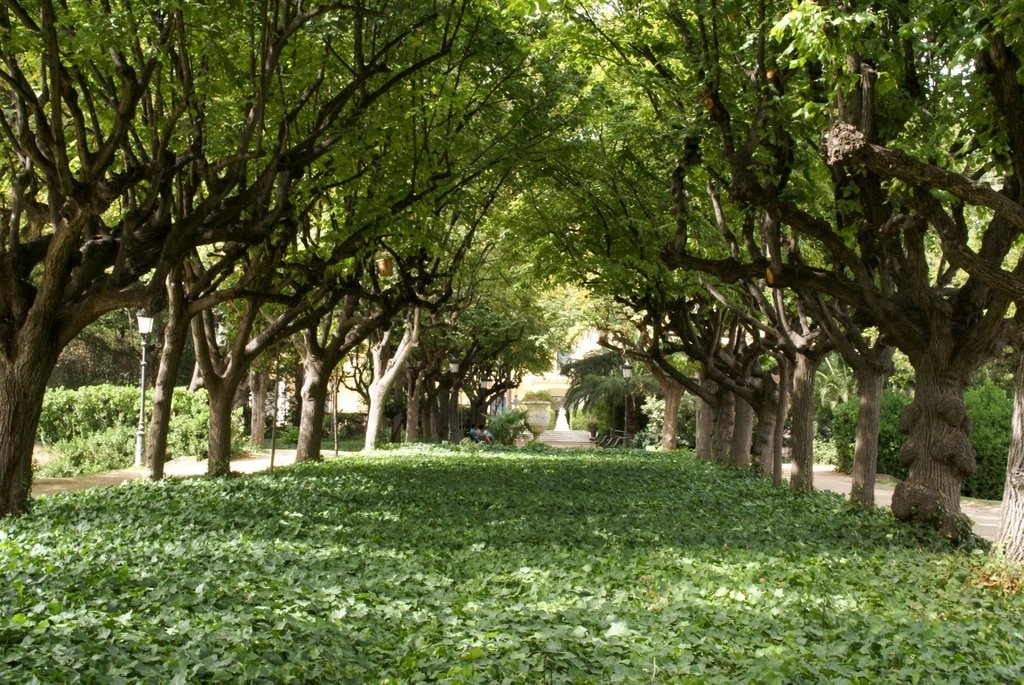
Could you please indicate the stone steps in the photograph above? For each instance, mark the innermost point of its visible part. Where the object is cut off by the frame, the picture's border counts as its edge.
(566, 438)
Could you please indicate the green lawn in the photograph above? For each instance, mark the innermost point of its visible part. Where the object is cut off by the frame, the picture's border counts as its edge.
(488, 567)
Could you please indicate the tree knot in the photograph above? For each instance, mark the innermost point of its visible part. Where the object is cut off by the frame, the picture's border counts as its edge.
(843, 144)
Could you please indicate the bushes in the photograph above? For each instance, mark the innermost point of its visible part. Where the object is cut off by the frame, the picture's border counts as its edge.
(990, 410)
(93, 428)
(107, 449)
(507, 426)
(69, 414)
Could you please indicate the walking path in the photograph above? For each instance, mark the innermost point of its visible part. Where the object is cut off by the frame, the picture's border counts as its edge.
(985, 514)
(181, 467)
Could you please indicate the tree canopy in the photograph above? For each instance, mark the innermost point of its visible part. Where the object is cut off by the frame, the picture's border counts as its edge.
(752, 184)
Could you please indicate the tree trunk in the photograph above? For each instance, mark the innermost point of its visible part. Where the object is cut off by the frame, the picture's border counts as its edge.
(175, 333)
(1011, 519)
(375, 414)
(314, 399)
(384, 375)
(802, 422)
(763, 447)
(259, 386)
(870, 383)
(704, 447)
(742, 433)
(434, 424)
(219, 457)
(412, 409)
(782, 411)
(673, 393)
(22, 387)
(937, 452)
(725, 423)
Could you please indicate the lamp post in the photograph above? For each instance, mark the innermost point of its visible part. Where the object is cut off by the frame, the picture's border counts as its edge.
(627, 373)
(145, 328)
(453, 409)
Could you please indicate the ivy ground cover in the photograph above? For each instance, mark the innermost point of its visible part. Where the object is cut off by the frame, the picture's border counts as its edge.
(491, 567)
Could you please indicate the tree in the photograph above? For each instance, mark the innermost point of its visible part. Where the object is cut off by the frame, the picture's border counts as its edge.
(750, 101)
(143, 132)
(388, 363)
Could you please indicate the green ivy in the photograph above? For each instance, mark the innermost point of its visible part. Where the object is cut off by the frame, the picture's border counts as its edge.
(430, 565)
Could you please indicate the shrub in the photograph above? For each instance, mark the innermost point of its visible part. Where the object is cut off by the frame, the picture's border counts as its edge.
(653, 409)
(825, 452)
(188, 434)
(69, 414)
(991, 412)
(285, 435)
(507, 426)
(84, 428)
(105, 450)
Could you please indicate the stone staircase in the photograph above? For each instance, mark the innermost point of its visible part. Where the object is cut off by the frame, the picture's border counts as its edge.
(566, 438)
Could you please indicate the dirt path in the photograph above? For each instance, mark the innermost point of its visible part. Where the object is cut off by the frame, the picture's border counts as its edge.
(177, 468)
(985, 514)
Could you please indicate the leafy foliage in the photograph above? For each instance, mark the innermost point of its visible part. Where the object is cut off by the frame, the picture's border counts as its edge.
(106, 449)
(990, 410)
(498, 566)
(506, 426)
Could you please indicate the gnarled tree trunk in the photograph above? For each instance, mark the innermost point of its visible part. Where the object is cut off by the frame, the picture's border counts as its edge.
(704, 447)
(742, 433)
(762, 449)
(870, 383)
(220, 401)
(672, 391)
(725, 422)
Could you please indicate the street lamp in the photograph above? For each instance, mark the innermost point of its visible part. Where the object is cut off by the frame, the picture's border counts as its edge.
(453, 409)
(627, 373)
(145, 328)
